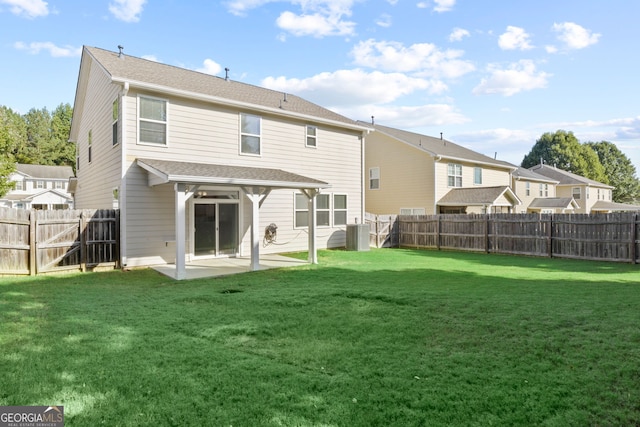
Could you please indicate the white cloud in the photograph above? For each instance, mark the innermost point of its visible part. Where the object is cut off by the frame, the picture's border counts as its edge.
(458, 34)
(515, 38)
(575, 36)
(27, 8)
(210, 66)
(444, 5)
(55, 51)
(127, 10)
(384, 20)
(422, 58)
(240, 7)
(351, 87)
(315, 24)
(150, 58)
(422, 5)
(409, 117)
(518, 77)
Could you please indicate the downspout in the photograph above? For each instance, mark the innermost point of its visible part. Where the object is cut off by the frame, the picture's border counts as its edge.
(122, 196)
(362, 179)
(436, 159)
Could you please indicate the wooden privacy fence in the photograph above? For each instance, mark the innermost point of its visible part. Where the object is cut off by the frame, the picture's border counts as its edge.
(383, 230)
(35, 241)
(601, 237)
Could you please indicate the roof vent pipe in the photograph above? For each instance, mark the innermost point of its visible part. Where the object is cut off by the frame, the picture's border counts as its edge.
(285, 96)
(373, 122)
(120, 54)
(226, 73)
(440, 135)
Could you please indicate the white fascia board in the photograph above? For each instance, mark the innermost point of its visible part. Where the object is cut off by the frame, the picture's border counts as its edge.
(226, 101)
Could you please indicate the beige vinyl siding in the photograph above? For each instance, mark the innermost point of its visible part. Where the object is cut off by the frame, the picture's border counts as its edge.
(565, 191)
(491, 177)
(520, 188)
(96, 180)
(205, 133)
(406, 176)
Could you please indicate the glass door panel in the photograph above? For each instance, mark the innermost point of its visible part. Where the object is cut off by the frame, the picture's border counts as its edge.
(205, 229)
(227, 229)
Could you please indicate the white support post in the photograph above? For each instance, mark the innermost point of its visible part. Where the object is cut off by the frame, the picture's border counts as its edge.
(313, 250)
(181, 230)
(257, 197)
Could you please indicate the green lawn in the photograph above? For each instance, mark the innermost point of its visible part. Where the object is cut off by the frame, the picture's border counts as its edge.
(381, 338)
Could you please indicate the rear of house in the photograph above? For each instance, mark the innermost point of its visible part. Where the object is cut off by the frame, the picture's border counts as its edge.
(206, 165)
(41, 187)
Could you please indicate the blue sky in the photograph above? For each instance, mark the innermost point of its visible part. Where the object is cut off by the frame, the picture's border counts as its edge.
(492, 75)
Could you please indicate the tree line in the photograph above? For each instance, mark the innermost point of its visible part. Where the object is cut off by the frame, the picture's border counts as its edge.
(37, 137)
(41, 137)
(600, 161)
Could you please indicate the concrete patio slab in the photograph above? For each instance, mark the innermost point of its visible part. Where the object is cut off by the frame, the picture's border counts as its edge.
(215, 267)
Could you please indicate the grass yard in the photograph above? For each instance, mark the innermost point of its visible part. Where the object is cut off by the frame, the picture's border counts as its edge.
(379, 338)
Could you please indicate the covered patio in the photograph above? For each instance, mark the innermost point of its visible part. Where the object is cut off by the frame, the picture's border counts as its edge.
(255, 184)
(217, 267)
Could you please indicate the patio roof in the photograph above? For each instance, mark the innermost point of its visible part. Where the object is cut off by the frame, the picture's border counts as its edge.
(166, 171)
(478, 196)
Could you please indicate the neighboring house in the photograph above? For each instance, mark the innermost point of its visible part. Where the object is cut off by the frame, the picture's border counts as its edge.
(591, 196)
(538, 193)
(414, 174)
(200, 166)
(39, 187)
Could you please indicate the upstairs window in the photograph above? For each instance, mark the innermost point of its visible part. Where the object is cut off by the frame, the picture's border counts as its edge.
(477, 176)
(312, 136)
(152, 121)
(89, 142)
(454, 175)
(40, 184)
(546, 190)
(527, 188)
(18, 186)
(114, 121)
(250, 134)
(576, 193)
(374, 178)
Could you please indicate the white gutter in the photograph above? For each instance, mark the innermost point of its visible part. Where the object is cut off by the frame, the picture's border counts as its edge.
(239, 104)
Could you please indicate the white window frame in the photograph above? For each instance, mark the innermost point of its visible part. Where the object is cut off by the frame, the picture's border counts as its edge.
(58, 185)
(340, 210)
(454, 175)
(165, 122)
(305, 209)
(241, 134)
(374, 177)
(579, 192)
(18, 186)
(527, 188)
(477, 175)
(413, 211)
(546, 190)
(313, 137)
(40, 184)
(115, 114)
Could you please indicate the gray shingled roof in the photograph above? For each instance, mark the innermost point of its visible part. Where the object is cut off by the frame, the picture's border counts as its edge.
(565, 178)
(474, 196)
(45, 171)
(551, 202)
(602, 205)
(203, 173)
(533, 176)
(439, 147)
(131, 69)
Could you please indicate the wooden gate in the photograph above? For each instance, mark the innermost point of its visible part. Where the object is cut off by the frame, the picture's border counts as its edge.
(33, 242)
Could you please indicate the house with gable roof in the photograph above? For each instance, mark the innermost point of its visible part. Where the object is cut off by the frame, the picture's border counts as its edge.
(203, 166)
(538, 193)
(591, 196)
(413, 174)
(42, 187)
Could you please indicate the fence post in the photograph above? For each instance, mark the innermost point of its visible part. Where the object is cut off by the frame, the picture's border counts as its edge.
(549, 236)
(634, 237)
(33, 248)
(438, 232)
(486, 233)
(83, 242)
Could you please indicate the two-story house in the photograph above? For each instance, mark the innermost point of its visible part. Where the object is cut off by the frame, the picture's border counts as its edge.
(41, 187)
(591, 196)
(413, 174)
(538, 193)
(203, 166)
